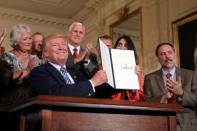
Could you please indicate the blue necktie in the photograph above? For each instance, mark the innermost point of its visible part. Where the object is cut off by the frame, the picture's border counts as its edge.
(65, 75)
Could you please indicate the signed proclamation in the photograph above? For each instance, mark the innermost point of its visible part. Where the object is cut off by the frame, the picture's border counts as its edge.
(120, 67)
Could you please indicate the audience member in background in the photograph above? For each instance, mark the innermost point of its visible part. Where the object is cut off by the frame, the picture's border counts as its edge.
(125, 43)
(79, 58)
(37, 41)
(2, 37)
(107, 40)
(55, 78)
(171, 84)
(15, 67)
(106, 91)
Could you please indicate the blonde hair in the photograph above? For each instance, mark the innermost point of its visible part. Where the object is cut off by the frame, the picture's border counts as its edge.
(50, 37)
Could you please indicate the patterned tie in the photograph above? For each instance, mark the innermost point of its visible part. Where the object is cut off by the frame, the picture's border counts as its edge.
(75, 53)
(65, 75)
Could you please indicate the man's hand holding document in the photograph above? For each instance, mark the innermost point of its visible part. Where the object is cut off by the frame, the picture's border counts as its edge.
(120, 67)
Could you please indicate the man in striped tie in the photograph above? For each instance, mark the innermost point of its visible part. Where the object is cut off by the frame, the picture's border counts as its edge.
(55, 78)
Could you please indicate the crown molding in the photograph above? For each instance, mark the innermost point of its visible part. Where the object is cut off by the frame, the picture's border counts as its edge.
(33, 18)
(56, 3)
(90, 9)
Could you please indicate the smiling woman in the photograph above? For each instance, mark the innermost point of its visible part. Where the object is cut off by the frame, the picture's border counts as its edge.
(15, 67)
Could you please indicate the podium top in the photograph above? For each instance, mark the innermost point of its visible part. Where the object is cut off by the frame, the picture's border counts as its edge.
(62, 103)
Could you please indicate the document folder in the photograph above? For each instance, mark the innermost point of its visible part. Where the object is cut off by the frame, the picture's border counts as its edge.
(120, 67)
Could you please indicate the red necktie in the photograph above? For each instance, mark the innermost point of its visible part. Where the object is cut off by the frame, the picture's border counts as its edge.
(75, 53)
(168, 75)
(173, 98)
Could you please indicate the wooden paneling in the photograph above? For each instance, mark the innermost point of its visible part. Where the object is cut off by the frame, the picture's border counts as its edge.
(52, 113)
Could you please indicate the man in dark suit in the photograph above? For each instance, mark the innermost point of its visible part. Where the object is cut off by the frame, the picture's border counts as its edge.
(80, 58)
(47, 79)
(171, 84)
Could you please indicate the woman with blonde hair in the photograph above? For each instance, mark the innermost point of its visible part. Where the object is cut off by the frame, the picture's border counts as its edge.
(15, 67)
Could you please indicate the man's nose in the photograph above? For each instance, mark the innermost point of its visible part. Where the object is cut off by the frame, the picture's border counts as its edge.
(78, 33)
(62, 47)
(167, 55)
(29, 42)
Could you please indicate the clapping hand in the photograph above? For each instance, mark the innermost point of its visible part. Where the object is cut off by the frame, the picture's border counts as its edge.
(2, 36)
(175, 87)
(24, 73)
(85, 54)
(172, 88)
(19, 75)
(88, 50)
(31, 64)
(166, 96)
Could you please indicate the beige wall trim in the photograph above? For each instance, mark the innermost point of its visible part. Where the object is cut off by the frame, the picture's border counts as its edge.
(33, 18)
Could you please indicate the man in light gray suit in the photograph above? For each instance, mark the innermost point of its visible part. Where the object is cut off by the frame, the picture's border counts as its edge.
(171, 84)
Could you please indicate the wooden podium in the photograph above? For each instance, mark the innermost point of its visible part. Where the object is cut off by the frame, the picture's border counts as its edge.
(52, 113)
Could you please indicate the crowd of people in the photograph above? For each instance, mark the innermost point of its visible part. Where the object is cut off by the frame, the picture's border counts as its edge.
(58, 65)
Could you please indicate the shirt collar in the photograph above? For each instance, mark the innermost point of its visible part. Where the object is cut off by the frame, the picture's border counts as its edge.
(56, 66)
(71, 47)
(172, 72)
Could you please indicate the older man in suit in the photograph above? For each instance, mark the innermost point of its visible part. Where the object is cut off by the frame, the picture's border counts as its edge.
(171, 84)
(55, 78)
(80, 58)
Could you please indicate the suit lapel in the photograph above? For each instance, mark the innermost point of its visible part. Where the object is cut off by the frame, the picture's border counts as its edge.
(160, 81)
(54, 73)
(70, 61)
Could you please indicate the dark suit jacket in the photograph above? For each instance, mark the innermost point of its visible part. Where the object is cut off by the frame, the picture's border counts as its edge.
(154, 89)
(91, 67)
(46, 80)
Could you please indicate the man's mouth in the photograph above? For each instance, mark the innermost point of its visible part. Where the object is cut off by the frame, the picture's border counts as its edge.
(61, 53)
